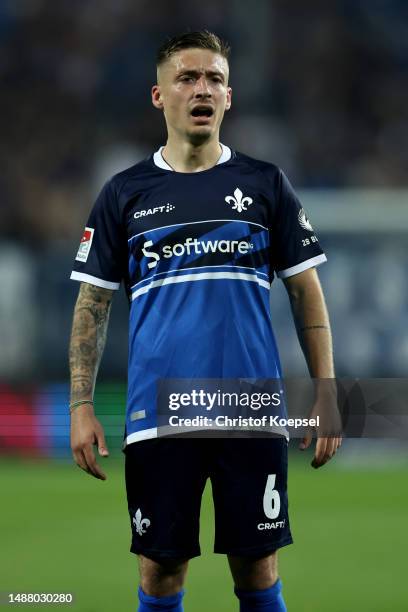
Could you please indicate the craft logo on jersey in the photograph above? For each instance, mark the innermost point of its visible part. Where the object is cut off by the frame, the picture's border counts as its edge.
(304, 221)
(166, 208)
(239, 201)
(194, 246)
(140, 524)
(85, 244)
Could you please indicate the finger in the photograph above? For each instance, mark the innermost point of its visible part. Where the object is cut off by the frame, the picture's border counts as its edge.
(320, 456)
(81, 463)
(325, 449)
(319, 452)
(91, 463)
(305, 442)
(331, 447)
(93, 467)
(102, 446)
(336, 444)
(80, 460)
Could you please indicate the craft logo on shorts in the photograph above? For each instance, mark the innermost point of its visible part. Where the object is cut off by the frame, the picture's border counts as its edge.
(85, 244)
(273, 525)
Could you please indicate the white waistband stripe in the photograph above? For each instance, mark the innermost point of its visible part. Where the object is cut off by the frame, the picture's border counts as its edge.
(137, 436)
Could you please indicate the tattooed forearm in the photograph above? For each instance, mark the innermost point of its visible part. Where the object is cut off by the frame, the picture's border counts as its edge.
(88, 338)
(312, 323)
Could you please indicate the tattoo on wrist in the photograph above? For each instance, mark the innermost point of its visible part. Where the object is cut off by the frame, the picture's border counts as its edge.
(313, 327)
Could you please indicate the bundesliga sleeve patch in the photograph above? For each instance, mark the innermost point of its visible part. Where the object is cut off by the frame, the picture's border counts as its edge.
(85, 244)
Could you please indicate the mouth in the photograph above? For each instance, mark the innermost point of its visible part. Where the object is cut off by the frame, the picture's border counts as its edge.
(202, 112)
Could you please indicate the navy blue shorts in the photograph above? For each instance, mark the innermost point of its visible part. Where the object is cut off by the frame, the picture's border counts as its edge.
(165, 479)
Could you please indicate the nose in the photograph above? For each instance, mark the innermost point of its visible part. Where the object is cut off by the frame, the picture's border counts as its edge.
(201, 88)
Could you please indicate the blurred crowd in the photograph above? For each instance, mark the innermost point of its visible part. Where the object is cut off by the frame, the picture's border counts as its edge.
(319, 88)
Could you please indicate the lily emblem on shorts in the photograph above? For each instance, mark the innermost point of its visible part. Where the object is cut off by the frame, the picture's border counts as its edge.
(239, 203)
(140, 524)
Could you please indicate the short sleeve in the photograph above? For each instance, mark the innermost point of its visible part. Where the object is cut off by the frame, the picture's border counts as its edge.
(294, 244)
(100, 257)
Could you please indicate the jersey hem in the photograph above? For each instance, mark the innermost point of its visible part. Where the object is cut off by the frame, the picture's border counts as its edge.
(304, 265)
(93, 280)
(149, 434)
(137, 436)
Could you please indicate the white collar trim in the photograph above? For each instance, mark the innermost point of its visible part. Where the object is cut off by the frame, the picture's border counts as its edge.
(161, 163)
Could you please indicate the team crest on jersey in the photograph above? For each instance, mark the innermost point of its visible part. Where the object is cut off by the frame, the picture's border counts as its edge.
(238, 200)
(85, 244)
(304, 221)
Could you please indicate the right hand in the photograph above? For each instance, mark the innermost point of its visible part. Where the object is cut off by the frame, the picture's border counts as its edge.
(86, 431)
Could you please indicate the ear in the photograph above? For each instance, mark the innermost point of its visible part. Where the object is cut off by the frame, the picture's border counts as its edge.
(157, 100)
(228, 98)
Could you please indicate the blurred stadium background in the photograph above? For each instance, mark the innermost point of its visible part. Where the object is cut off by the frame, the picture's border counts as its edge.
(320, 89)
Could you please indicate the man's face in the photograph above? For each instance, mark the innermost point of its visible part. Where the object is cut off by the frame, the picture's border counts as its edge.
(193, 93)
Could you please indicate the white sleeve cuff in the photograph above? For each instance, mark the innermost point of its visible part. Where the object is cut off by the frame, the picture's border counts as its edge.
(304, 265)
(93, 280)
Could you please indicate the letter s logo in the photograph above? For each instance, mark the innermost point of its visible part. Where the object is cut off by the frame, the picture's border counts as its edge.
(146, 253)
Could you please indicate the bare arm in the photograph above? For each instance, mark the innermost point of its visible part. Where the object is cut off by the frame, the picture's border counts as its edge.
(312, 322)
(88, 336)
(314, 333)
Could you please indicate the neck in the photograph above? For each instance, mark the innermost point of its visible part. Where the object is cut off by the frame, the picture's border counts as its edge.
(189, 157)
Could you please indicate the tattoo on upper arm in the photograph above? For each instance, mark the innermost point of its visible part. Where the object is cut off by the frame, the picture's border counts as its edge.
(88, 338)
(314, 327)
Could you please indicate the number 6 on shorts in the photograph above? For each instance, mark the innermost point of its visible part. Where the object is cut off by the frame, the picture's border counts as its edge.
(271, 498)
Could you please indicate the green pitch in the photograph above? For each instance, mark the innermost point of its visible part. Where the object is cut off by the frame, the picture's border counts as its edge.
(63, 531)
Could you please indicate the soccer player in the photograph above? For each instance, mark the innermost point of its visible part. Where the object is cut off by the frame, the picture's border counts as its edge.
(196, 233)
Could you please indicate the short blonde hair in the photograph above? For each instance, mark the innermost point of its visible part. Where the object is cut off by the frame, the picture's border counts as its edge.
(193, 40)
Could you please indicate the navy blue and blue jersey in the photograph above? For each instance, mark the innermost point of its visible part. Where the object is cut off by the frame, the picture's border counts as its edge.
(197, 253)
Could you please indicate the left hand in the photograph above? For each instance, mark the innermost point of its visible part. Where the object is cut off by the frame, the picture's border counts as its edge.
(329, 436)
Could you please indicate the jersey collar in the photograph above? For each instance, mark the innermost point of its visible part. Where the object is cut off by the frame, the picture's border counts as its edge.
(161, 163)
